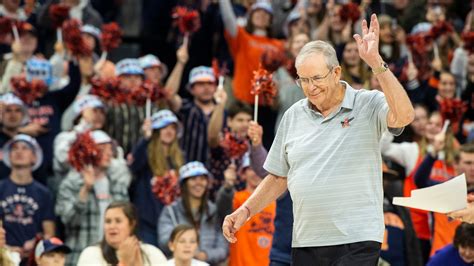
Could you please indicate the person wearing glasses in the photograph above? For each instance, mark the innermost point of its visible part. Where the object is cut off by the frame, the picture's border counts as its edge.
(327, 145)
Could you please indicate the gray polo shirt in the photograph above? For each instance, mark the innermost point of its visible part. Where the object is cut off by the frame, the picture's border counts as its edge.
(334, 169)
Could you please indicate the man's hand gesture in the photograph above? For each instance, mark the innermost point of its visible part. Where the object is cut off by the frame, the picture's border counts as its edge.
(368, 44)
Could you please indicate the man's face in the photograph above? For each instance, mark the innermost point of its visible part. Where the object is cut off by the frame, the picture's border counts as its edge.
(22, 155)
(203, 91)
(466, 166)
(12, 116)
(153, 74)
(319, 83)
(239, 124)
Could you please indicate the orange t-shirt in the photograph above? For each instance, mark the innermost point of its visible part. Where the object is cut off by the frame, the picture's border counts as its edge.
(246, 50)
(444, 231)
(254, 239)
(418, 217)
(440, 172)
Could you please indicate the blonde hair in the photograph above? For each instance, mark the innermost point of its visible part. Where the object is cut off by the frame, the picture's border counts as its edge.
(157, 159)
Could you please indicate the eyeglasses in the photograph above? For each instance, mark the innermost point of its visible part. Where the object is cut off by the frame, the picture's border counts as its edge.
(315, 81)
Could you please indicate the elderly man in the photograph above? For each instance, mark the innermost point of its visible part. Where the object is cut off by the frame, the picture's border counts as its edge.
(327, 154)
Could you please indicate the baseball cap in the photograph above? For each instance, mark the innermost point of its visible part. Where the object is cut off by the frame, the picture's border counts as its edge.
(192, 169)
(28, 140)
(49, 245)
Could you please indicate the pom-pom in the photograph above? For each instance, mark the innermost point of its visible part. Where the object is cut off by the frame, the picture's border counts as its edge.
(188, 20)
(439, 29)
(219, 70)
(468, 40)
(272, 59)
(452, 109)
(147, 91)
(233, 146)
(73, 38)
(418, 43)
(84, 152)
(109, 90)
(349, 12)
(166, 188)
(58, 14)
(264, 86)
(28, 92)
(111, 36)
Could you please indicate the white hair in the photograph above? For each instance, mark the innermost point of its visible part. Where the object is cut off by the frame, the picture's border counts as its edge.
(318, 47)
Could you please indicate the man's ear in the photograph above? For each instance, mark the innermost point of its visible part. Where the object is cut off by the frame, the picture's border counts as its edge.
(337, 73)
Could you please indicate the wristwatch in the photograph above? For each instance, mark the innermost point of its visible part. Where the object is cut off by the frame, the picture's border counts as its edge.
(382, 68)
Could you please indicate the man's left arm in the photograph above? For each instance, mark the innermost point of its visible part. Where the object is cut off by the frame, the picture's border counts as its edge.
(401, 112)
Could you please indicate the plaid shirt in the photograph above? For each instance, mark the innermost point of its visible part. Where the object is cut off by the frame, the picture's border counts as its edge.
(82, 219)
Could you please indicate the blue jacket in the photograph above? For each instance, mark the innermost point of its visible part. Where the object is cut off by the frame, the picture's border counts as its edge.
(211, 239)
(148, 206)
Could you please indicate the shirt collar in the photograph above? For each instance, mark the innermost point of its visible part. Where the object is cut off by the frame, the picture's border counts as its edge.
(347, 102)
(349, 96)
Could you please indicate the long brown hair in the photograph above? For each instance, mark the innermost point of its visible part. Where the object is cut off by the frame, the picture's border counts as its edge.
(203, 208)
(250, 28)
(364, 73)
(108, 252)
(157, 159)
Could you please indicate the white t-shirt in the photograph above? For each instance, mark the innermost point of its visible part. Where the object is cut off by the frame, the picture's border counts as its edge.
(92, 256)
(193, 263)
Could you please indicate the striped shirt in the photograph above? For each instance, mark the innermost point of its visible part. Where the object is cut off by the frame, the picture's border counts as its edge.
(124, 124)
(194, 139)
(333, 167)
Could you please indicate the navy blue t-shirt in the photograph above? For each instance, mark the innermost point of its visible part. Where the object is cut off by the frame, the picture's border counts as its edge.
(23, 209)
(448, 255)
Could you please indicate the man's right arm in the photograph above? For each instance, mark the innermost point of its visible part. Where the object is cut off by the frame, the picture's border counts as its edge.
(268, 191)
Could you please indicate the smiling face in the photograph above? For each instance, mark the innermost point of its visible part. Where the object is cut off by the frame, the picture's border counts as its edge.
(184, 245)
(447, 86)
(117, 227)
(325, 88)
(467, 254)
(434, 126)
(197, 186)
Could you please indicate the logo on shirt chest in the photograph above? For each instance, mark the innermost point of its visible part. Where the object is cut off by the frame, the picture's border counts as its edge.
(346, 122)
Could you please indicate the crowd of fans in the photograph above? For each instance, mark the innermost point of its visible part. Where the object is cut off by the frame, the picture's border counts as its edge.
(96, 177)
